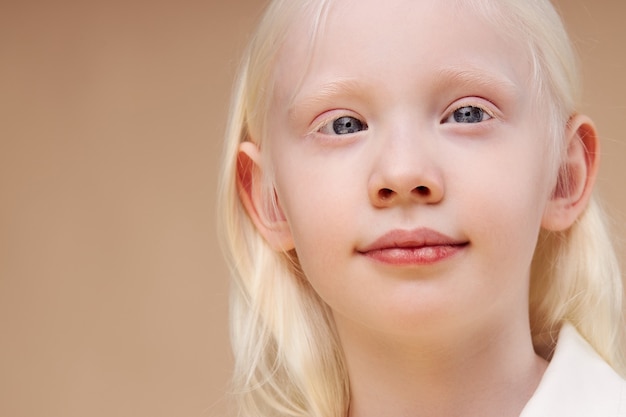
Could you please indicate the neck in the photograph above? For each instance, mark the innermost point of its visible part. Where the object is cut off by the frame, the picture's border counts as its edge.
(477, 373)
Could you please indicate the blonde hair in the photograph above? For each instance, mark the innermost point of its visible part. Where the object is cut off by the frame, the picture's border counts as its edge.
(288, 361)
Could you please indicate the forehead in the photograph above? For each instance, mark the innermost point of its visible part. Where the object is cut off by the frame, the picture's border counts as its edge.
(376, 42)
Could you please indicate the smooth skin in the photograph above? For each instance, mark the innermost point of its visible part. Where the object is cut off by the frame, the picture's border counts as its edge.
(412, 181)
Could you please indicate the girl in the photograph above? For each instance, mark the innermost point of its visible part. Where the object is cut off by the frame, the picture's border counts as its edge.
(407, 207)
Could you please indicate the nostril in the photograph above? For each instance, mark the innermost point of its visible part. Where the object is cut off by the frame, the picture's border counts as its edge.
(422, 191)
(385, 193)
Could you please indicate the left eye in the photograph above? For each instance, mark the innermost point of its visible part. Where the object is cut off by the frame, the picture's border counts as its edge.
(468, 114)
(343, 126)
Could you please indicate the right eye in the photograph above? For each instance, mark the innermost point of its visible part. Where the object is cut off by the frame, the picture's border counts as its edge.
(344, 125)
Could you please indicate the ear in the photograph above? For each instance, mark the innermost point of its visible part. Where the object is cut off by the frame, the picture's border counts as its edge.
(576, 177)
(270, 223)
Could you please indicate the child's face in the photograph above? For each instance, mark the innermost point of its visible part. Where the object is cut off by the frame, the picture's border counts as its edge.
(414, 126)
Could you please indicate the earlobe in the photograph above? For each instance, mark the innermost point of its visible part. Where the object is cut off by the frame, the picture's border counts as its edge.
(269, 221)
(576, 177)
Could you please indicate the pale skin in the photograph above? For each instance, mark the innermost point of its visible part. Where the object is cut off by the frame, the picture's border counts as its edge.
(411, 183)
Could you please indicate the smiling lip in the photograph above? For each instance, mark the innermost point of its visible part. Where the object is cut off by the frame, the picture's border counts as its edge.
(413, 247)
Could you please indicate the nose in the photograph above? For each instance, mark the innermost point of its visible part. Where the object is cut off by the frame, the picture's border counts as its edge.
(406, 173)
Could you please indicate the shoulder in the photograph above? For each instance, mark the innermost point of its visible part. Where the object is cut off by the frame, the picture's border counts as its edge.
(577, 383)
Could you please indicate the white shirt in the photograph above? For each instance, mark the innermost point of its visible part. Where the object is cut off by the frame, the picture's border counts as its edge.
(577, 383)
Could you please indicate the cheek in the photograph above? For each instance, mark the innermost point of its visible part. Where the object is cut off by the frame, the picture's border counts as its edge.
(325, 203)
(317, 207)
(506, 209)
(319, 236)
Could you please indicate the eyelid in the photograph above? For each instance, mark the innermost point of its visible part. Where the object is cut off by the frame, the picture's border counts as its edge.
(330, 116)
(486, 105)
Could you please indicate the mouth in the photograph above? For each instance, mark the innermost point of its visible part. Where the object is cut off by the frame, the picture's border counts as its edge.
(413, 247)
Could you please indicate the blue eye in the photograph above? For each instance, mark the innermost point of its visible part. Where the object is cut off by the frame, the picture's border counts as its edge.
(343, 126)
(468, 114)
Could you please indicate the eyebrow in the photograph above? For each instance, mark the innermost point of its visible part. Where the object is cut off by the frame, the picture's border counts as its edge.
(444, 78)
(325, 94)
(474, 77)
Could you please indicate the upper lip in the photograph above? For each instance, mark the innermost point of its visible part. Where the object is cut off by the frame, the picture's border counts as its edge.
(415, 238)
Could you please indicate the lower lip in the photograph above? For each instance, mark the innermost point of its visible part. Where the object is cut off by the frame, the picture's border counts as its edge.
(425, 255)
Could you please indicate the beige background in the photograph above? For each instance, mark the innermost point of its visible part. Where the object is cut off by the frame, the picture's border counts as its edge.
(112, 288)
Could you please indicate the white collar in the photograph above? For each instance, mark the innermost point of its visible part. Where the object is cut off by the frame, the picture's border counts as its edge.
(577, 383)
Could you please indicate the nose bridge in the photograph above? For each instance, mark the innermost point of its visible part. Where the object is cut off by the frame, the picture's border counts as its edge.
(406, 168)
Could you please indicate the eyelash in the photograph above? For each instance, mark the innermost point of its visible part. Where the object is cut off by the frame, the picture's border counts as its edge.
(329, 125)
(484, 112)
